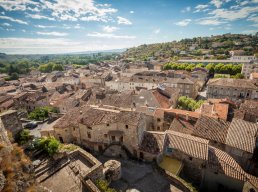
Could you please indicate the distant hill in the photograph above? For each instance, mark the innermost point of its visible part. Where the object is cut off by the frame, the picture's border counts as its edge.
(217, 46)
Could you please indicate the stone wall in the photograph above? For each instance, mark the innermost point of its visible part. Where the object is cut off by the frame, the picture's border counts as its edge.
(243, 158)
(214, 182)
(9, 121)
(192, 168)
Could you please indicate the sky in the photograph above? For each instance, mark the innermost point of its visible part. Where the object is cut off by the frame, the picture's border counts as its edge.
(66, 26)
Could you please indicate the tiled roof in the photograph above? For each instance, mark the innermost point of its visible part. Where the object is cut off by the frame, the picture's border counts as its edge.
(190, 145)
(183, 112)
(236, 83)
(216, 110)
(242, 135)
(95, 116)
(71, 118)
(152, 142)
(211, 129)
(222, 162)
(123, 99)
(162, 100)
(181, 126)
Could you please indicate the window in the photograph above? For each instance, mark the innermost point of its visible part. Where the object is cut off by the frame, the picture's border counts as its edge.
(158, 128)
(107, 125)
(158, 119)
(190, 158)
(113, 138)
(121, 139)
(126, 126)
(89, 135)
(105, 135)
(90, 128)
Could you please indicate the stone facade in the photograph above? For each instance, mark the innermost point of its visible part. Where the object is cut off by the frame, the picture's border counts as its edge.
(99, 135)
(234, 89)
(10, 121)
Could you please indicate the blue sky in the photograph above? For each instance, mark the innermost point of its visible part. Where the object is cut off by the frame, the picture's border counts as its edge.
(63, 26)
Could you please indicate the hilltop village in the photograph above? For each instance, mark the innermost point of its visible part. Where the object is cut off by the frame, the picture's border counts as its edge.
(193, 122)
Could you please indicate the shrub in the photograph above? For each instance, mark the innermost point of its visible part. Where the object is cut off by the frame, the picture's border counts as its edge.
(49, 144)
(41, 113)
(103, 186)
(23, 137)
(190, 104)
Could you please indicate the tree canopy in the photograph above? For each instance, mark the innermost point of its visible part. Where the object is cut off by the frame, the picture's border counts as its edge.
(189, 104)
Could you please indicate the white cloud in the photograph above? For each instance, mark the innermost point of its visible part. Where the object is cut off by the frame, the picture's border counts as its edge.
(183, 23)
(10, 29)
(23, 30)
(16, 5)
(187, 9)
(219, 3)
(6, 24)
(14, 20)
(209, 21)
(131, 12)
(253, 18)
(244, 3)
(232, 15)
(201, 7)
(110, 36)
(94, 18)
(255, 25)
(250, 31)
(36, 16)
(76, 9)
(122, 20)
(53, 33)
(109, 29)
(45, 26)
(62, 9)
(77, 26)
(156, 31)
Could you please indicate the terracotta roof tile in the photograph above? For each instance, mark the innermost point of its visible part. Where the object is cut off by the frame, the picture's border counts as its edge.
(190, 145)
(223, 163)
(242, 135)
(211, 129)
(181, 126)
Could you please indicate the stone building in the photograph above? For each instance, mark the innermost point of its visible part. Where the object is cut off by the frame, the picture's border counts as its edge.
(241, 143)
(97, 128)
(10, 122)
(235, 89)
(161, 97)
(208, 167)
(215, 130)
(191, 151)
(248, 111)
(151, 145)
(249, 68)
(186, 86)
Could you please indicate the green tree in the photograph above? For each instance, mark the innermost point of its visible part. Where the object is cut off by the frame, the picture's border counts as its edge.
(190, 104)
(49, 144)
(23, 137)
(41, 113)
(57, 67)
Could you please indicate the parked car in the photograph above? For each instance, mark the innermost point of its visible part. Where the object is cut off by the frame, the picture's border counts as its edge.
(31, 125)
